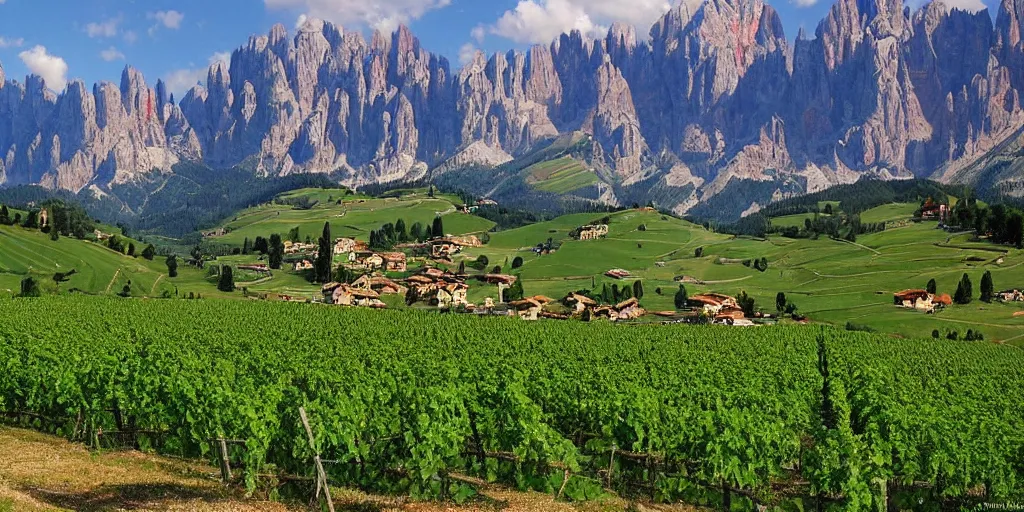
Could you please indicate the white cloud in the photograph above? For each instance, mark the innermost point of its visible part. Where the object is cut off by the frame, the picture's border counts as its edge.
(111, 54)
(301, 21)
(965, 5)
(384, 15)
(105, 28)
(541, 21)
(169, 19)
(53, 69)
(11, 43)
(467, 53)
(130, 36)
(181, 80)
(478, 33)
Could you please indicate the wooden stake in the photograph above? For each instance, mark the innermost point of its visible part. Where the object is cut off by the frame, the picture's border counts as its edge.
(611, 466)
(225, 461)
(321, 480)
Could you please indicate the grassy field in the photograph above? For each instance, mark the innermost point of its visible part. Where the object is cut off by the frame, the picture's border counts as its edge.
(353, 218)
(830, 281)
(560, 176)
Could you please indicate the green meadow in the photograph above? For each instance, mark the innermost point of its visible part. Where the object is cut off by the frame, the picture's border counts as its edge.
(830, 281)
(354, 218)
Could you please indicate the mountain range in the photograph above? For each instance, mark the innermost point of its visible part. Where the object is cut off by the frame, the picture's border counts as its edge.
(716, 96)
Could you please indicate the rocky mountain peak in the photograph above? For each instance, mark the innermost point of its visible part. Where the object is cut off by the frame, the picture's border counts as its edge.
(715, 95)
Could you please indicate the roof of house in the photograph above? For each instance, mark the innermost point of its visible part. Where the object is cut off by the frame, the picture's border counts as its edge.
(393, 256)
(730, 313)
(529, 303)
(627, 303)
(542, 299)
(583, 299)
(911, 294)
(419, 280)
(357, 292)
(711, 299)
(329, 287)
(943, 299)
(500, 278)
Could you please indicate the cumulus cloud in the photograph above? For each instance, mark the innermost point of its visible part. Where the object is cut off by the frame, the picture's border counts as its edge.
(384, 15)
(11, 43)
(181, 80)
(169, 19)
(130, 37)
(105, 28)
(804, 3)
(111, 54)
(478, 33)
(467, 53)
(541, 21)
(53, 69)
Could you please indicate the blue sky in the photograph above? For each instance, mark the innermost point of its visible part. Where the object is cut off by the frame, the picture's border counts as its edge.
(176, 40)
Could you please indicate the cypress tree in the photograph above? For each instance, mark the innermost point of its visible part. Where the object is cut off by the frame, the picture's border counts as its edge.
(964, 291)
(172, 266)
(325, 255)
(438, 227)
(638, 290)
(987, 287)
(246, 246)
(275, 251)
(227, 280)
(5, 215)
(933, 287)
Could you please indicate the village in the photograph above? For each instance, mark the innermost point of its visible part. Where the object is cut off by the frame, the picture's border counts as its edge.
(419, 275)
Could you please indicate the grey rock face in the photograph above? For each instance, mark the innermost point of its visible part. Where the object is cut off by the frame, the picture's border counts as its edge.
(714, 94)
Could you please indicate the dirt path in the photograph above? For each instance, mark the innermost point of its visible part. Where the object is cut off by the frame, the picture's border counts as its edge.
(112, 280)
(152, 291)
(44, 473)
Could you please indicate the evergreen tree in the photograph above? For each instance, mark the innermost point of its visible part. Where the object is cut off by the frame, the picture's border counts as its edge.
(746, 303)
(437, 229)
(31, 220)
(325, 255)
(275, 251)
(29, 288)
(131, 249)
(780, 302)
(246, 246)
(126, 291)
(172, 266)
(400, 232)
(515, 292)
(462, 268)
(517, 262)
(227, 280)
(55, 234)
(416, 232)
(606, 296)
(964, 291)
(933, 287)
(260, 245)
(293, 235)
(149, 252)
(988, 291)
(430, 193)
(5, 216)
(638, 290)
(626, 292)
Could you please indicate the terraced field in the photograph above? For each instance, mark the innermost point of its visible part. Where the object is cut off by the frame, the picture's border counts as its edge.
(560, 176)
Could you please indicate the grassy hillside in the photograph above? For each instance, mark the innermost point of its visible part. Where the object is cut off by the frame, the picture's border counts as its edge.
(560, 176)
(355, 217)
(830, 281)
(99, 270)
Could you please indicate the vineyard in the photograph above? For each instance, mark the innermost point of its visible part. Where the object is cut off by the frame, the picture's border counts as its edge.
(412, 402)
